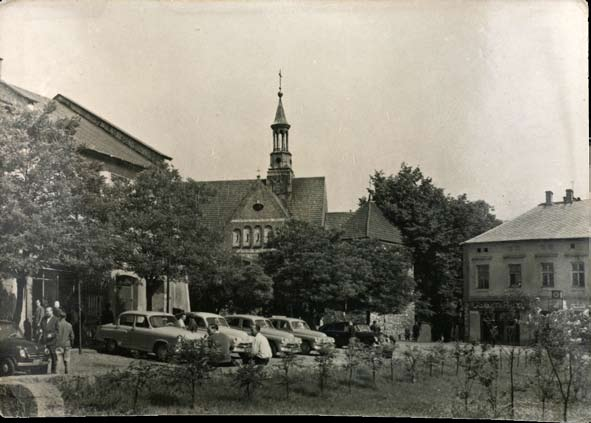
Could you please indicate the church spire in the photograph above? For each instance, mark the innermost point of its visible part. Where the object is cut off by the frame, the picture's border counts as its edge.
(280, 173)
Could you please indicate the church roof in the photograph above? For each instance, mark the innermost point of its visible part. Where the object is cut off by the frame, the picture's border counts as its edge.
(557, 221)
(335, 220)
(307, 201)
(369, 222)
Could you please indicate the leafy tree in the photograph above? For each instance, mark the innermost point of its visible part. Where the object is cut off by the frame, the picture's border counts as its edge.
(250, 377)
(314, 269)
(433, 226)
(158, 217)
(226, 282)
(53, 211)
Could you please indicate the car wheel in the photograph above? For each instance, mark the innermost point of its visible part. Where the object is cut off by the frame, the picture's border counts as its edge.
(273, 349)
(306, 348)
(161, 351)
(6, 367)
(110, 346)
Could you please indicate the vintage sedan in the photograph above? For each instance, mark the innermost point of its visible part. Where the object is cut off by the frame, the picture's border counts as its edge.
(146, 331)
(279, 341)
(342, 332)
(240, 342)
(311, 340)
(18, 354)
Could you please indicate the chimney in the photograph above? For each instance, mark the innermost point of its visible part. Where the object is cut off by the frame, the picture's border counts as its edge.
(569, 196)
(549, 198)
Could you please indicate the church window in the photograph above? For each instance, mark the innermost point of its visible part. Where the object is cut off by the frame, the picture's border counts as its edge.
(256, 236)
(267, 233)
(246, 237)
(236, 238)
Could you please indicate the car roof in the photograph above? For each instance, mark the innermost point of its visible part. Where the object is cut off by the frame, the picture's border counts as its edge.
(246, 316)
(146, 313)
(202, 314)
(285, 318)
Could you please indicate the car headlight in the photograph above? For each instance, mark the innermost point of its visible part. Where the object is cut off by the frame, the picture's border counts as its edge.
(22, 353)
(235, 341)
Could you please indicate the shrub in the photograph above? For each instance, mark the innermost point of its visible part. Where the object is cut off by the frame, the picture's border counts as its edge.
(288, 360)
(249, 377)
(324, 364)
(353, 358)
(412, 358)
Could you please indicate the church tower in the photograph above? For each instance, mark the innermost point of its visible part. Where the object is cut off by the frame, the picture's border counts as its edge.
(280, 174)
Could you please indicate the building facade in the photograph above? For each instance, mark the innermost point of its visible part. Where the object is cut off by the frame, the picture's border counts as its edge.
(542, 254)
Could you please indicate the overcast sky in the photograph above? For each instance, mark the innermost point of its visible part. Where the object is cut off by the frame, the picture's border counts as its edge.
(488, 98)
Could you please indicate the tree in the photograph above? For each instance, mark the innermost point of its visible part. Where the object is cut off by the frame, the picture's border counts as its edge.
(314, 269)
(158, 217)
(433, 226)
(225, 281)
(52, 211)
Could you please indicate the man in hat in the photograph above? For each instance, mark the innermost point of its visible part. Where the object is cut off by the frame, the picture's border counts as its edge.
(65, 339)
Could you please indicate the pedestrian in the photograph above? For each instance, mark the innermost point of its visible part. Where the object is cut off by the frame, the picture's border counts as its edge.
(56, 306)
(261, 350)
(65, 339)
(106, 315)
(494, 333)
(181, 321)
(375, 328)
(37, 318)
(219, 345)
(49, 326)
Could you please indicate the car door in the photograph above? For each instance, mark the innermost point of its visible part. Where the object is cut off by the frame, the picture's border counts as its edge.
(201, 324)
(123, 330)
(141, 335)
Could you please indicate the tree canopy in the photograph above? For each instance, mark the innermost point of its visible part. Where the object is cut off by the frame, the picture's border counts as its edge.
(51, 211)
(313, 269)
(433, 226)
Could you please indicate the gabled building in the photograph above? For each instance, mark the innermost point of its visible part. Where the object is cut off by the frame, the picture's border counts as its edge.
(544, 254)
(121, 156)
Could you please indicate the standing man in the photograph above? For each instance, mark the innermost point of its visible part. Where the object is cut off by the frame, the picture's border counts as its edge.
(261, 350)
(50, 329)
(37, 319)
(65, 339)
(219, 345)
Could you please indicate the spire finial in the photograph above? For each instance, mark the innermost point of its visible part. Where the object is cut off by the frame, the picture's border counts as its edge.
(280, 94)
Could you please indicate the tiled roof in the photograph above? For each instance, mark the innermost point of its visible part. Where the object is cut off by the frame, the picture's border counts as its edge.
(369, 222)
(558, 221)
(307, 201)
(335, 220)
(28, 95)
(96, 139)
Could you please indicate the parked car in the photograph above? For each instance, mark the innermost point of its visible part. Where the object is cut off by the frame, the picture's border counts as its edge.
(145, 331)
(18, 354)
(342, 333)
(311, 340)
(241, 343)
(279, 341)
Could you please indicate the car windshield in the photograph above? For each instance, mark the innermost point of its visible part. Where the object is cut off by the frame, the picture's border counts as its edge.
(7, 329)
(161, 321)
(263, 323)
(362, 328)
(220, 321)
(299, 324)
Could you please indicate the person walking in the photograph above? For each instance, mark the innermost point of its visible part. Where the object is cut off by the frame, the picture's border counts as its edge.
(261, 350)
(65, 340)
(49, 326)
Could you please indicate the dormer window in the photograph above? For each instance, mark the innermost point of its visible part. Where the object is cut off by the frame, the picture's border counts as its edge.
(266, 234)
(257, 237)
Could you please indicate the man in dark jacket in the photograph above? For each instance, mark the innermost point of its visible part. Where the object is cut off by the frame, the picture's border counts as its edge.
(50, 329)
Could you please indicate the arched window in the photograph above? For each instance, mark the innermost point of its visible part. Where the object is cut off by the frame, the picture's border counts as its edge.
(256, 237)
(236, 238)
(246, 236)
(267, 233)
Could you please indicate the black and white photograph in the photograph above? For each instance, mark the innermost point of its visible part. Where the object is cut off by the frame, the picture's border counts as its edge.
(295, 207)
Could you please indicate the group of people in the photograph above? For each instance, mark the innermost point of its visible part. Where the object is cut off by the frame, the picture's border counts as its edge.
(57, 334)
(260, 351)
